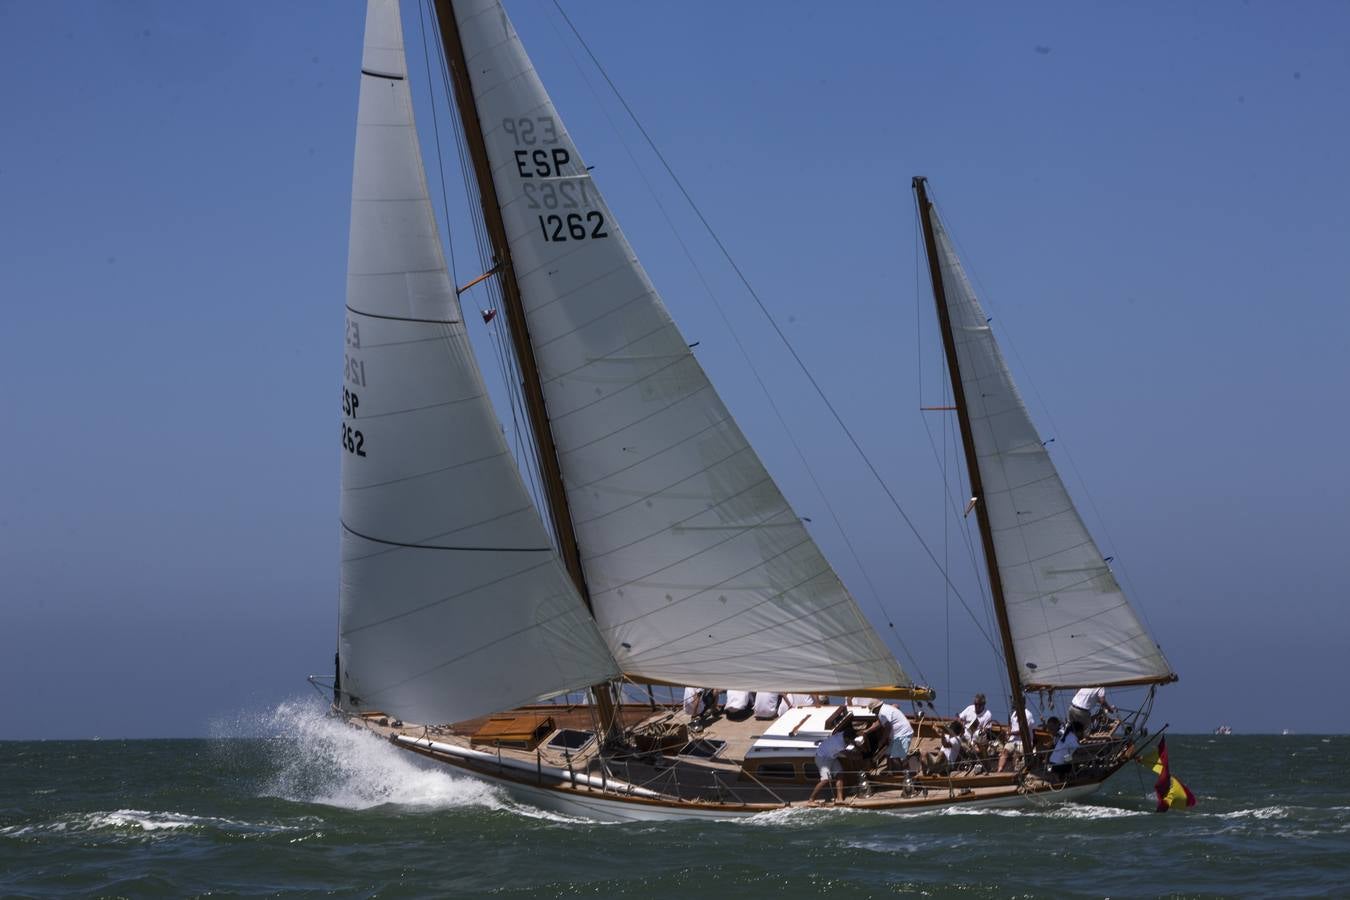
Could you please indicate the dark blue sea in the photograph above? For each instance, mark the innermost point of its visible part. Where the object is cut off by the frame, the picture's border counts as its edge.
(320, 810)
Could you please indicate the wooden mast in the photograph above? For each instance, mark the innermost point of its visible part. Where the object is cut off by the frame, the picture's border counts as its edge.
(545, 450)
(968, 445)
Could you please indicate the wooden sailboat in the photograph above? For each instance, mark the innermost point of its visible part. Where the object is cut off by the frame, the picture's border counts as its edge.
(669, 557)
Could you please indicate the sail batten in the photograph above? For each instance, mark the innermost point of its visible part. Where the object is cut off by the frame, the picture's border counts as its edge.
(1069, 621)
(452, 600)
(698, 569)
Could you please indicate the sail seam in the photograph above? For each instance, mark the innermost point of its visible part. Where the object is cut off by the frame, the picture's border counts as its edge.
(707, 509)
(371, 694)
(440, 600)
(429, 472)
(589, 322)
(510, 513)
(680, 354)
(713, 587)
(405, 318)
(376, 540)
(661, 492)
(638, 421)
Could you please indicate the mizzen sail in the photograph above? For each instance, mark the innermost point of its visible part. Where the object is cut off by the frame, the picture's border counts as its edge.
(1071, 624)
(699, 571)
(453, 603)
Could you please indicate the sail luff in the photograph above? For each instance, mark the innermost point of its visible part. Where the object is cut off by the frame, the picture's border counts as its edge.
(699, 570)
(452, 601)
(968, 446)
(1070, 623)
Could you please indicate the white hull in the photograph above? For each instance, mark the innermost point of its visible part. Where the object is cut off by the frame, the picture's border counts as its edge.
(599, 808)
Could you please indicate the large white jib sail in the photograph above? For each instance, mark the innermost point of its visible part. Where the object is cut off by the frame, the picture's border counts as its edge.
(699, 572)
(1071, 624)
(453, 603)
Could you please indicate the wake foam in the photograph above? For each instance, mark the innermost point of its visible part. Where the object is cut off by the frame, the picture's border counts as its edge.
(318, 758)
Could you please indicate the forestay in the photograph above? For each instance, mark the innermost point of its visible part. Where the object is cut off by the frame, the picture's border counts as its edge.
(1071, 623)
(698, 569)
(453, 604)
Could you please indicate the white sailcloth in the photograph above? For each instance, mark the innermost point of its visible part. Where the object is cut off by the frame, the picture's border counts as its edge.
(1071, 623)
(699, 571)
(453, 604)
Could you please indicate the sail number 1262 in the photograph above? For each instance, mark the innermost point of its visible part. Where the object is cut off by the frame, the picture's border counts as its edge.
(573, 226)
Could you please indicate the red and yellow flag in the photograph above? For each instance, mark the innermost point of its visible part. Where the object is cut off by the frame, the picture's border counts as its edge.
(1171, 792)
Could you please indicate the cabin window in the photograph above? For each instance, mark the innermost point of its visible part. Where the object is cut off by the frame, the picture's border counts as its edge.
(771, 771)
(704, 748)
(810, 771)
(571, 739)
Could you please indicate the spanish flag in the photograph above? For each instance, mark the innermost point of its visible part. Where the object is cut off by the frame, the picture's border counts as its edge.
(1170, 791)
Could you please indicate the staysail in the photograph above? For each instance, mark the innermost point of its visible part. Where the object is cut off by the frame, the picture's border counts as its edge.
(1071, 624)
(699, 571)
(453, 603)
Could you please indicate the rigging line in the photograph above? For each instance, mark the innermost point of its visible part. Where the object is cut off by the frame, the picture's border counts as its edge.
(436, 129)
(875, 594)
(760, 303)
(1068, 455)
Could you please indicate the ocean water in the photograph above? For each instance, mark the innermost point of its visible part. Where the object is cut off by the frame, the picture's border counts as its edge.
(321, 810)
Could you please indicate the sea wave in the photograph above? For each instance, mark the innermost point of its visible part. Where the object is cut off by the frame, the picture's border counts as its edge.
(1058, 811)
(140, 821)
(1264, 812)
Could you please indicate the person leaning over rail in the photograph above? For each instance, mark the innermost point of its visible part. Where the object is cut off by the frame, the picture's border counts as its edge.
(1061, 758)
(1086, 704)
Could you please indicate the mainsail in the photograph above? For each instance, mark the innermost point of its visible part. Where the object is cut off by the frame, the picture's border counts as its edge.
(453, 603)
(699, 571)
(1071, 624)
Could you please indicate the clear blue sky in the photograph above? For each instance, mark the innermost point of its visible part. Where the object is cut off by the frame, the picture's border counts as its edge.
(1153, 197)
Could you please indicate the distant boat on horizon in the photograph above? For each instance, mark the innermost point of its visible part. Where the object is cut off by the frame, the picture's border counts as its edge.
(1224, 729)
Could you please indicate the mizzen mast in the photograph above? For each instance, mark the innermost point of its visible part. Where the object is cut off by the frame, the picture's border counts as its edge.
(920, 185)
(546, 450)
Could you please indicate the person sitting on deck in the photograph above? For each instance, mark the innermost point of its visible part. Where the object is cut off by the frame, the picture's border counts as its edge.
(1086, 704)
(894, 727)
(944, 762)
(700, 703)
(766, 705)
(1061, 758)
(738, 705)
(795, 701)
(829, 761)
(1014, 742)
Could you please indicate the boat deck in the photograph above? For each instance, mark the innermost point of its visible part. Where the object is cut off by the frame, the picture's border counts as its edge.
(679, 764)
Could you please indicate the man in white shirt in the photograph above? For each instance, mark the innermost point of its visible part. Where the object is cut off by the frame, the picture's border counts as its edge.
(1085, 705)
(893, 724)
(830, 765)
(1061, 758)
(795, 701)
(737, 706)
(1014, 742)
(977, 717)
(766, 705)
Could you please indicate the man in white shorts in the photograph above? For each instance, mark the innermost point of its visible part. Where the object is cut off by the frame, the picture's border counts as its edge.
(895, 726)
(830, 764)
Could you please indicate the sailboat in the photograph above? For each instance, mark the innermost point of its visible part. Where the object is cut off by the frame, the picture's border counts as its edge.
(662, 552)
